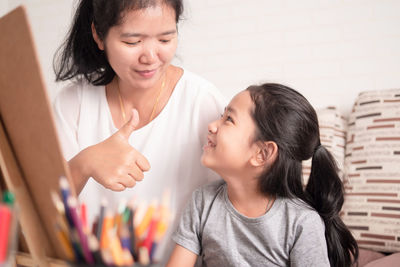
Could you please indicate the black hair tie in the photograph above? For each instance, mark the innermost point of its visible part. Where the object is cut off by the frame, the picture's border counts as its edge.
(317, 147)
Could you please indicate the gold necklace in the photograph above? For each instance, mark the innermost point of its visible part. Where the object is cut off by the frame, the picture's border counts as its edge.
(122, 107)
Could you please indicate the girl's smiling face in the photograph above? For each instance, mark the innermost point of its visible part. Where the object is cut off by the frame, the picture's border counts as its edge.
(231, 138)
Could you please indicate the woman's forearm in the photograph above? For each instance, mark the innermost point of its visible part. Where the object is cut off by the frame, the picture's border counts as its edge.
(79, 172)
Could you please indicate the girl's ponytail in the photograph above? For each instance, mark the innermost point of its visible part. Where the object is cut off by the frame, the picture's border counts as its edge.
(325, 193)
(79, 55)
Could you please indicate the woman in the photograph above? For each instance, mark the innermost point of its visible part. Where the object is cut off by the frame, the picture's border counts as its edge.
(128, 110)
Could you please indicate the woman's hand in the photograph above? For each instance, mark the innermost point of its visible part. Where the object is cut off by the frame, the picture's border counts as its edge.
(114, 163)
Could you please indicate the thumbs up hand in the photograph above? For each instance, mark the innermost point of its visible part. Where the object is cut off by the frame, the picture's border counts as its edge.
(114, 163)
(127, 129)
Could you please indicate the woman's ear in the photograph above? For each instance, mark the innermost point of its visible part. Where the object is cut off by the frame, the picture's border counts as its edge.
(96, 38)
(265, 154)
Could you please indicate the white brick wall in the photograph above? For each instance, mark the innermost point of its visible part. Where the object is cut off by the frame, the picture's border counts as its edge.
(3, 7)
(327, 49)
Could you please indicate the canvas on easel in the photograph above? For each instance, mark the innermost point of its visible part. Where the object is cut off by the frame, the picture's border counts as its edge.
(30, 154)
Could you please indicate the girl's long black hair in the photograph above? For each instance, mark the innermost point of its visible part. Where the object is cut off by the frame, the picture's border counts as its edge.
(79, 56)
(284, 116)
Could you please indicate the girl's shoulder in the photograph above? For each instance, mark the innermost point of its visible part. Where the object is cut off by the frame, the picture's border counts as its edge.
(209, 191)
(299, 209)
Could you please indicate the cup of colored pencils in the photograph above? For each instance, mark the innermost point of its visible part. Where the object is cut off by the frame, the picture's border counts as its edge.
(126, 237)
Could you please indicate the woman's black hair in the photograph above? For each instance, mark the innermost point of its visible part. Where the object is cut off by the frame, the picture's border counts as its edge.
(284, 116)
(79, 56)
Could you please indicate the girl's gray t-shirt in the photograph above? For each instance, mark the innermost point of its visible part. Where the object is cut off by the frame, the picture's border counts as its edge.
(291, 233)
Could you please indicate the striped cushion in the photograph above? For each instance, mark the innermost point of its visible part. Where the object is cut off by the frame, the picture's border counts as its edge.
(372, 171)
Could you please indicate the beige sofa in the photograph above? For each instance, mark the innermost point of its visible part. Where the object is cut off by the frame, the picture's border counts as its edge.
(366, 145)
(370, 258)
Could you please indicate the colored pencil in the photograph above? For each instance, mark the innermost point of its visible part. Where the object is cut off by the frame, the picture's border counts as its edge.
(65, 193)
(108, 223)
(84, 217)
(125, 237)
(72, 204)
(76, 245)
(61, 218)
(95, 249)
(144, 256)
(144, 224)
(148, 241)
(132, 236)
(139, 213)
(107, 257)
(5, 222)
(162, 223)
(127, 257)
(116, 249)
(63, 238)
(103, 207)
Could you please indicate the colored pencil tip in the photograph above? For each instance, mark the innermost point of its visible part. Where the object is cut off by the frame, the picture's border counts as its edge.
(72, 202)
(57, 202)
(64, 184)
(103, 202)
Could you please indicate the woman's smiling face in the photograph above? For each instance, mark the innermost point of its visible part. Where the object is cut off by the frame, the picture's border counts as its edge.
(141, 47)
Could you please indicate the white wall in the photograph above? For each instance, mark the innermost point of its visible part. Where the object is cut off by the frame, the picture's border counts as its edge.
(329, 50)
(50, 21)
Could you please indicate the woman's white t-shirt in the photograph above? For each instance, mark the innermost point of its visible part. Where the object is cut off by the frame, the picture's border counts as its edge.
(172, 142)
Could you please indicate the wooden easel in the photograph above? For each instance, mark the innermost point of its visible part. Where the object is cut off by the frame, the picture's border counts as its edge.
(30, 155)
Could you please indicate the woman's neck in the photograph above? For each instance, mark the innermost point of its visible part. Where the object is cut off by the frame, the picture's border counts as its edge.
(246, 197)
(143, 100)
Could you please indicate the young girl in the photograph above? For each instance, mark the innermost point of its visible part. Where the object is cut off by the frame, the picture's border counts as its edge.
(261, 214)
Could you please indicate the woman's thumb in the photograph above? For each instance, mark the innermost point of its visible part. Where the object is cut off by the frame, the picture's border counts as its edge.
(127, 129)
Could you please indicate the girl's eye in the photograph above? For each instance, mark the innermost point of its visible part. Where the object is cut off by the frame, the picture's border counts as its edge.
(226, 117)
(229, 118)
(165, 41)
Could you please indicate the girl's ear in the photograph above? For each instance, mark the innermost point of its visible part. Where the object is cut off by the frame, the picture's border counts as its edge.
(265, 155)
(96, 38)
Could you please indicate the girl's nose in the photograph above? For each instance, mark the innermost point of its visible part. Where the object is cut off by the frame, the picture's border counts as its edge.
(212, 127)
